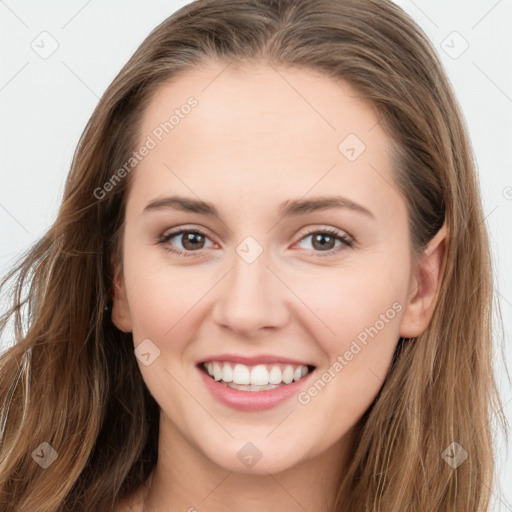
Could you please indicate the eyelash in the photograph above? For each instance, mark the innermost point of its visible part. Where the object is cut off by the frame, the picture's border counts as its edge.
(343, 238)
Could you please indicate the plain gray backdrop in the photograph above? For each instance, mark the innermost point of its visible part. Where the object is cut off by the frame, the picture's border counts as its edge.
(57, 58)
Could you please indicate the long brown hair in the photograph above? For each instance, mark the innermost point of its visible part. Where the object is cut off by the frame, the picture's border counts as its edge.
(71, 379)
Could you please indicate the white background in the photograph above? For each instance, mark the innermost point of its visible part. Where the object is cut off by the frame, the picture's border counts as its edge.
(45, 104)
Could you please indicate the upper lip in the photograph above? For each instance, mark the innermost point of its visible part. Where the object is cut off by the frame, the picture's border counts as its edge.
(254, 360)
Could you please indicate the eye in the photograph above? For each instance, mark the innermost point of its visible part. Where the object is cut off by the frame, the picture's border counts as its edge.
(194, 240)
(324, 239)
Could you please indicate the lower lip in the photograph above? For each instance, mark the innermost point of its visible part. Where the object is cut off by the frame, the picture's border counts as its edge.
(252, 400)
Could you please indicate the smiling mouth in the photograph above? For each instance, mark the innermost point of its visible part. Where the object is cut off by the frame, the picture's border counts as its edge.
(260, 377)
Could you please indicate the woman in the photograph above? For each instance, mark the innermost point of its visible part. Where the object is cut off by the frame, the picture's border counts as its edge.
(326, 346)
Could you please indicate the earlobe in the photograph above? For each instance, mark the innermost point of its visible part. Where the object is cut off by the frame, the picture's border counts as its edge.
(120, 310)
(425, 286)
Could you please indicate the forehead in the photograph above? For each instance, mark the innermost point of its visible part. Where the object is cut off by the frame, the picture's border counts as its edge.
(265, 130)
(298, 105)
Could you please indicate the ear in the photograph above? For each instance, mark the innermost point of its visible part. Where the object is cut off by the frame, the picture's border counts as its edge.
(425, 286)
(120, 310)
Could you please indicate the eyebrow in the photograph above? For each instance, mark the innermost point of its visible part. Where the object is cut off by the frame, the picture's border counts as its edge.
(288, 208)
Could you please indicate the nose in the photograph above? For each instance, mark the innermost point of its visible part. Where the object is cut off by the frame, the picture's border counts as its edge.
(251, 298)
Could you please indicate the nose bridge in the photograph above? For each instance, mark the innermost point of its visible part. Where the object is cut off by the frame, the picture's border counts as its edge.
(251, 295)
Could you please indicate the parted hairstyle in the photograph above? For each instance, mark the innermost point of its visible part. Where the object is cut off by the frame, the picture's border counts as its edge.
(71, 378)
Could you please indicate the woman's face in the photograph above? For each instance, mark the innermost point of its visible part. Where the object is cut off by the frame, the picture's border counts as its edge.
(330, 288)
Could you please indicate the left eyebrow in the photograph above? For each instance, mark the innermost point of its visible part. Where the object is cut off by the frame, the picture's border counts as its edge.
(288, 208)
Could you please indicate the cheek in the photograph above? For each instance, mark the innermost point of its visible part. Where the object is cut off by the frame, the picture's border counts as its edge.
(348, 302)
(363, 307)
(159, 294)
(162, 301)
(360, 311)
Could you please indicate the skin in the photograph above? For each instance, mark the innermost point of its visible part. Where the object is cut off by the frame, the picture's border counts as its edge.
(253, 142)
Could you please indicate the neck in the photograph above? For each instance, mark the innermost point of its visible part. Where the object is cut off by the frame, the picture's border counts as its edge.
(186, 480)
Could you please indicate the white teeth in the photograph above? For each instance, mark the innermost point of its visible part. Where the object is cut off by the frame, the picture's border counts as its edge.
(241, 374)
(227, 373)
(255, 378)
(288, 375)
(217, 371)
(275, 377)
(259, 375)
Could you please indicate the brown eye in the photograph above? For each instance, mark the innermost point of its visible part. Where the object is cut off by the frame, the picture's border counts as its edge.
(324, 241)
(191, 241)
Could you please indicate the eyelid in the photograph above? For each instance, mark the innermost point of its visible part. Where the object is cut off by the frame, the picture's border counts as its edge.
(322, 229)
(178, 229)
